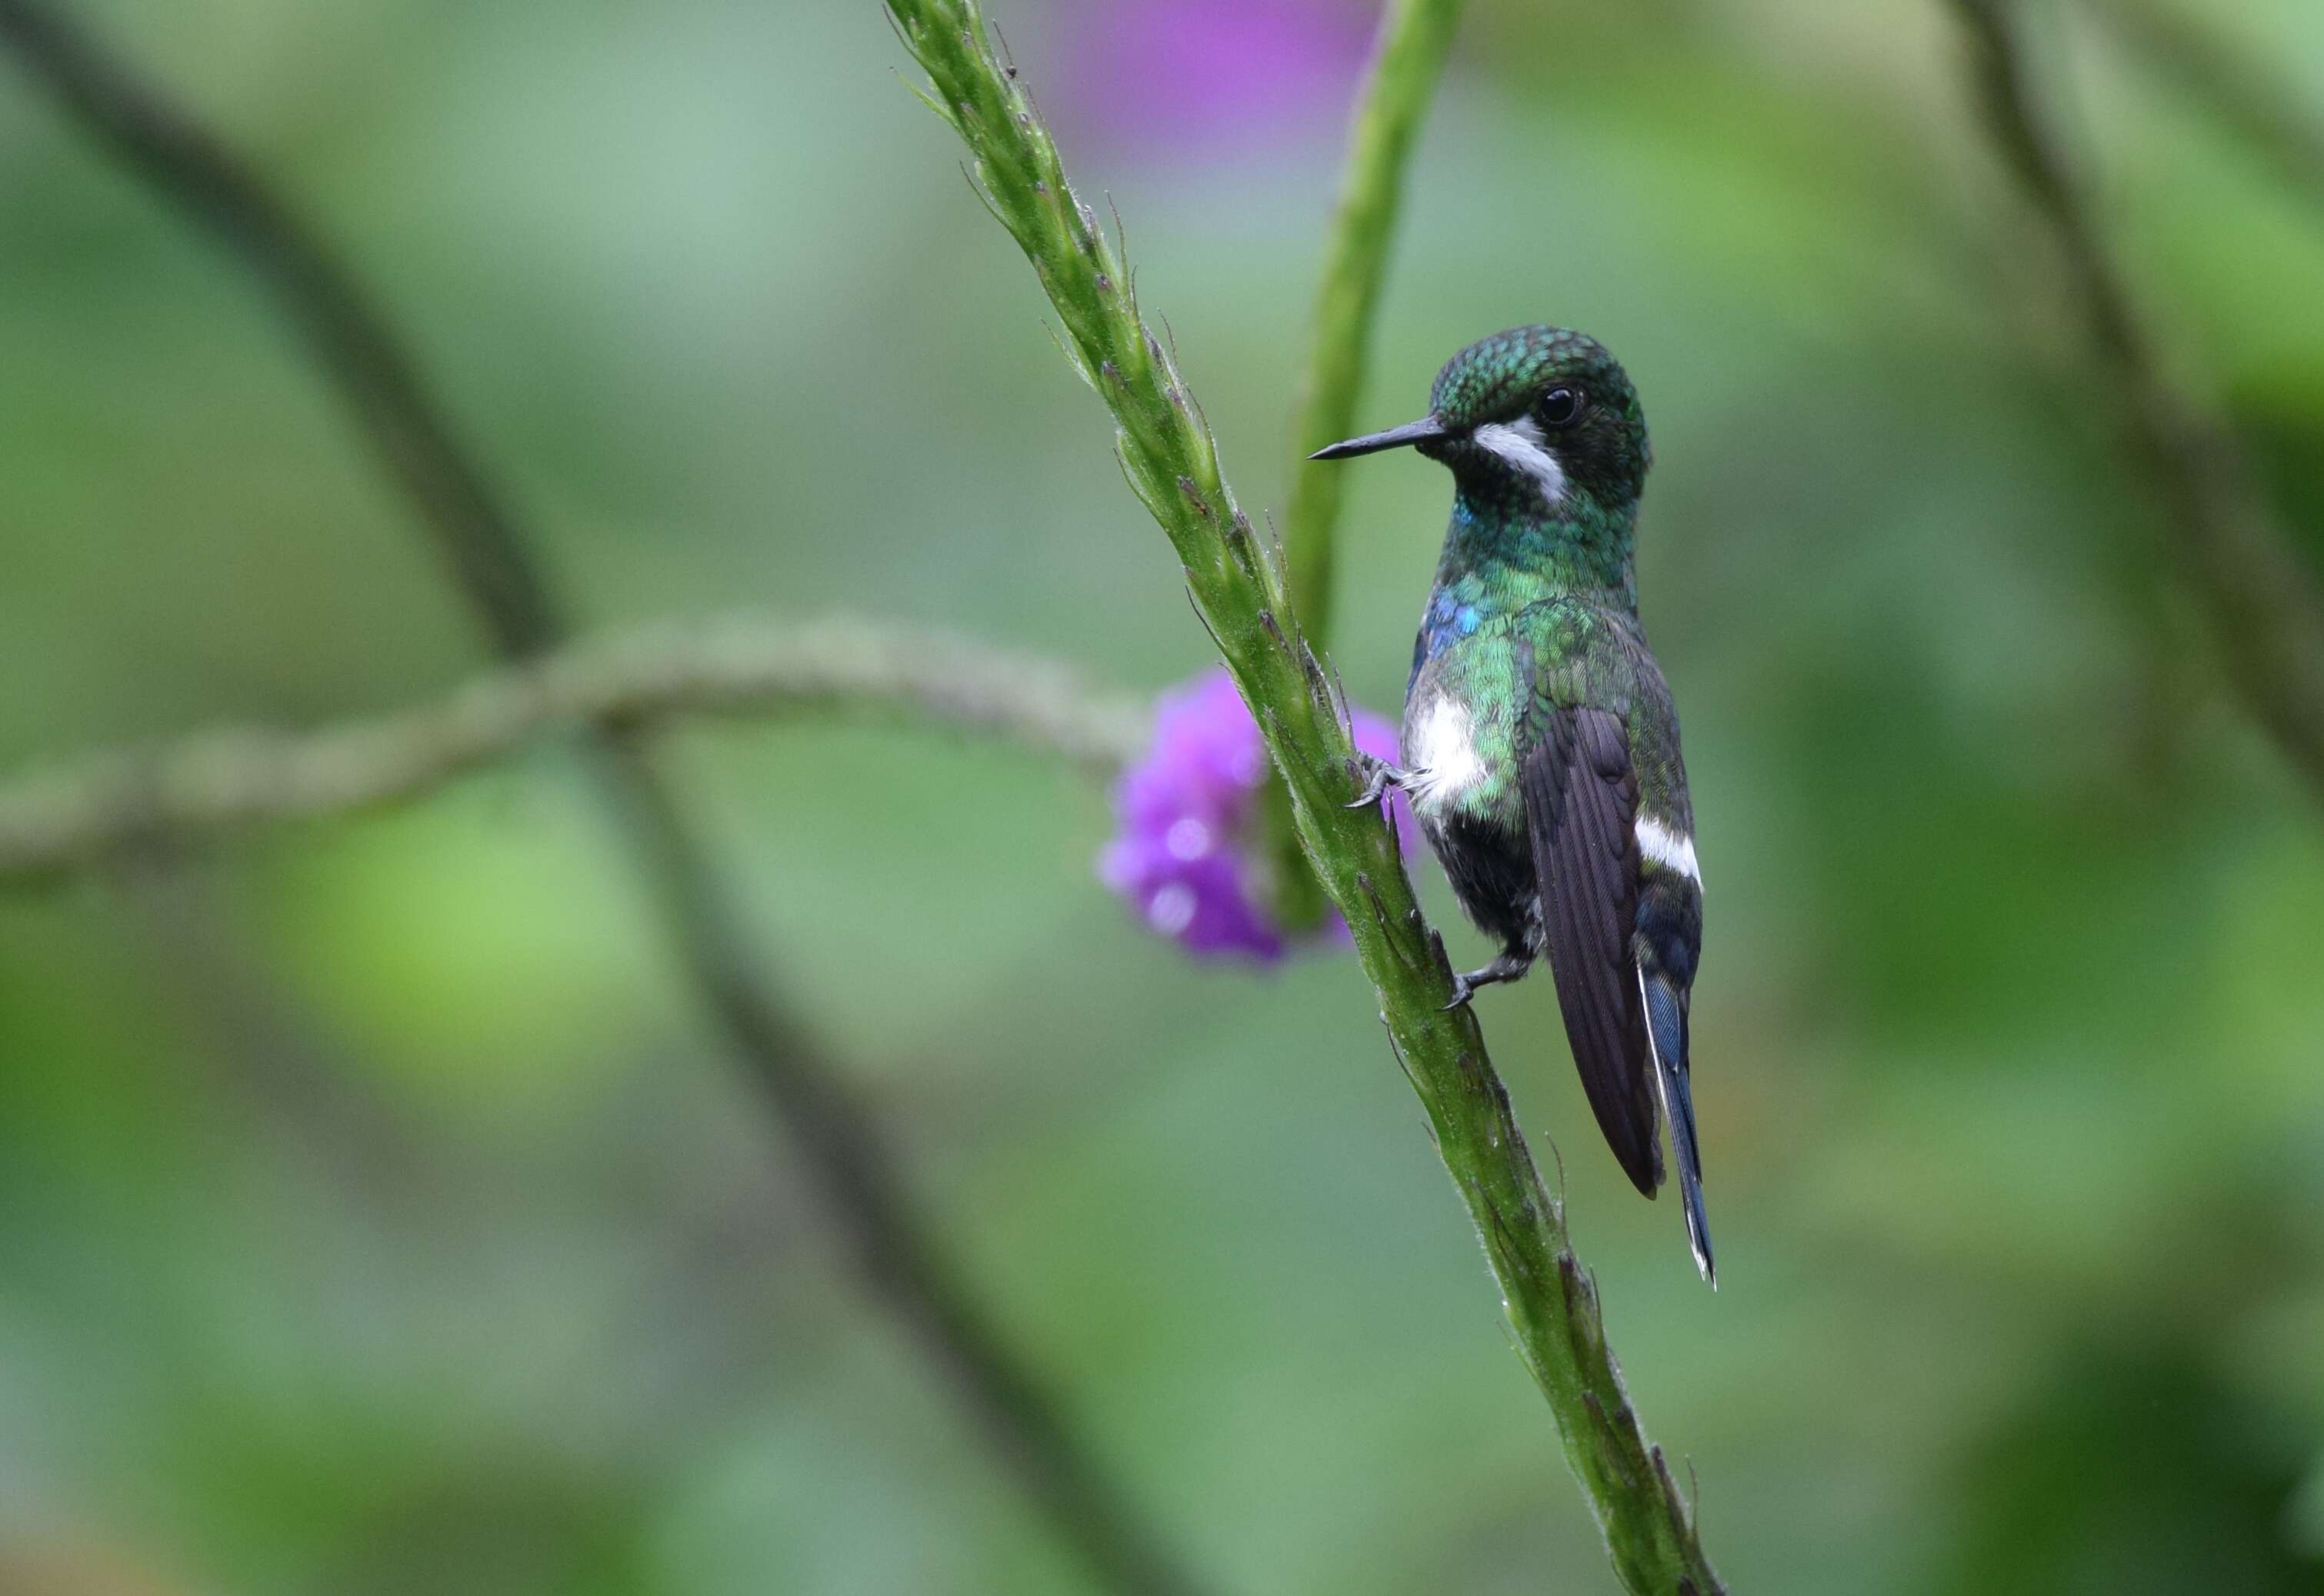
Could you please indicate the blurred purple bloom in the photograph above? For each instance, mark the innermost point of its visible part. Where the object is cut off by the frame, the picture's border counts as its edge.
(1188, 818)
(1170, 71)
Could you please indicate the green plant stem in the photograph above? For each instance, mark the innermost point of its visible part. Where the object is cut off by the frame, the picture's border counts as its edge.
(2265, 609)
(494, 564)
(109, 805)
(1239, 588)
(1414, 38)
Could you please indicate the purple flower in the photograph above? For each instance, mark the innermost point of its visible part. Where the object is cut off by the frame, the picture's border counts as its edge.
(1187, 820)
(1172, 74)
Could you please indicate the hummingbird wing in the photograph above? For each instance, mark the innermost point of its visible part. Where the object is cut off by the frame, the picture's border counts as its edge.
(1582, 806)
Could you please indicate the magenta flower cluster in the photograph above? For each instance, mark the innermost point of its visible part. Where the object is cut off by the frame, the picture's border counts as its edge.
(1185, 853)
(1184, 78)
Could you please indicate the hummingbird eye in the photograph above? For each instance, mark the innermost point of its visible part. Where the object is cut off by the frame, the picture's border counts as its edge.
(1560, 407)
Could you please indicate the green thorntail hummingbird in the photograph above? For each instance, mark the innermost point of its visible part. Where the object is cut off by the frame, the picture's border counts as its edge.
(1540, 745)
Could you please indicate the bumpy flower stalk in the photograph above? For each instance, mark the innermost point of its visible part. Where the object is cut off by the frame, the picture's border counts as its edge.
(1414, 38)
(1239, 588)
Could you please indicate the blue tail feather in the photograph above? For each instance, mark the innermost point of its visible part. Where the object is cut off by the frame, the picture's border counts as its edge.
(1666, 1029)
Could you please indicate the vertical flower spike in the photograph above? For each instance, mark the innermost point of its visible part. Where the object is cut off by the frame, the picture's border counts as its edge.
(1187, 852)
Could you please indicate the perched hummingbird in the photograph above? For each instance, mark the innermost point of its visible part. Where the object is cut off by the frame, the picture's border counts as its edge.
(1540, 745)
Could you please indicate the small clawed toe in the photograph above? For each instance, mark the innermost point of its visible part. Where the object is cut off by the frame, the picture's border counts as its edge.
(1381, 776)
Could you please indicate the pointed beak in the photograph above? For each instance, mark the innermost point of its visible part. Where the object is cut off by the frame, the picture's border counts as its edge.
(1427, 429)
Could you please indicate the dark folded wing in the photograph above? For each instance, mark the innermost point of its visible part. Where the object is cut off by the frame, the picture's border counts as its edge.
(1581, 806)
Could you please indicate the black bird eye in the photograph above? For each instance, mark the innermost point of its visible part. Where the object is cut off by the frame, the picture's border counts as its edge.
(1560, 407)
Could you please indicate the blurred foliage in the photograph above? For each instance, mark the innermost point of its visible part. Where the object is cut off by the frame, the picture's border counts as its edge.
(375, 1217)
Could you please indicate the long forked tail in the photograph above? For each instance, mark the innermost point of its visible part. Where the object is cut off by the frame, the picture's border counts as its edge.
(1666, 1038)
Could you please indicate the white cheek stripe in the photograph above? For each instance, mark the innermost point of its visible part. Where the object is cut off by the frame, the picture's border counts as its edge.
(1668, 849)
(1523, 444)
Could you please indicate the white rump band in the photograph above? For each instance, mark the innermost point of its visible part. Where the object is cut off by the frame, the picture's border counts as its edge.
(1668, 848)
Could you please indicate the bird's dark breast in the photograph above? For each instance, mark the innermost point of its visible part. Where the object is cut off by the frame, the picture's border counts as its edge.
(1491, 868)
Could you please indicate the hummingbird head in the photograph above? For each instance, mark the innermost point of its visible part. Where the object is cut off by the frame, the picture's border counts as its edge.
(1531, 421)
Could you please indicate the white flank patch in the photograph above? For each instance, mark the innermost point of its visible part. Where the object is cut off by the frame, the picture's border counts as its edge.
(1668, 849)
(1444, 755)
(1523, 444)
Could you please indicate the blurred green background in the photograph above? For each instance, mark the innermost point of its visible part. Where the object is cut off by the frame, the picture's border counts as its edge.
(377, 1213)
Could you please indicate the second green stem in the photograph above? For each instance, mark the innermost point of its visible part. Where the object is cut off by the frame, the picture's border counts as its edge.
(1416, 37)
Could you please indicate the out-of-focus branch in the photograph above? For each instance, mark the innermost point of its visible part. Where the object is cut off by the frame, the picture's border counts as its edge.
(1241, 593)
(102, 805)
(2266, 613)
(1414, 38)
(188, 167)
(2261, 110)
(495, 565)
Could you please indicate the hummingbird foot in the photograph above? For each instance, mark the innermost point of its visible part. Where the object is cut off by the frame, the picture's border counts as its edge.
(1379, 777)
(1508, 968)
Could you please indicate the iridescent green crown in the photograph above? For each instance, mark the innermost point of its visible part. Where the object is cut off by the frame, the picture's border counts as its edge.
(1497, 377)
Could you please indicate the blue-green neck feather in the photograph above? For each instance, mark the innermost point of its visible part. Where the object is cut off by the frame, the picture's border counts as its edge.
(1516, 556)
(1495, 564)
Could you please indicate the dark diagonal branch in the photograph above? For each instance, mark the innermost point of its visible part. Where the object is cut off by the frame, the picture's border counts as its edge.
(2265, 612)
(188, 167)
(2264, 112)
(497, 569)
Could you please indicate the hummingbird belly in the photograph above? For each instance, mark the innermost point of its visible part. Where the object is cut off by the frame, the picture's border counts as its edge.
(1459, 757)
(1459, 737)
